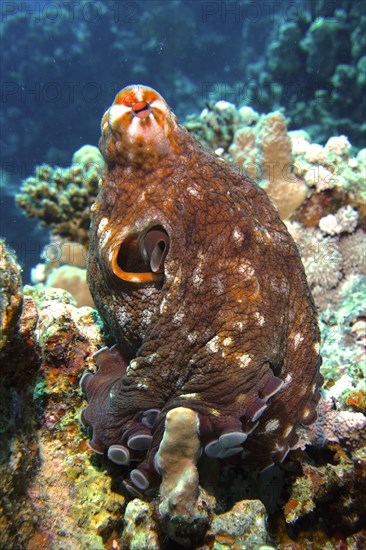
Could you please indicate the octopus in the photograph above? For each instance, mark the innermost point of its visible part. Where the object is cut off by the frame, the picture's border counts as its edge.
(202, 289)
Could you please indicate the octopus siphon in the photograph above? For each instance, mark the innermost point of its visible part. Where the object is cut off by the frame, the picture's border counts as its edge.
(202, 288)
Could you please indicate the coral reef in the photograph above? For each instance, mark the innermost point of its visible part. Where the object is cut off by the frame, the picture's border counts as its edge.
(10, 293)
(64, 267)
(306, 181)
(61, 198)
(140, 530)
(343, 341)
(19, 360)
(72, 279)
(52, 496)
(244, 526)
(321, 93)
(264, 152)
(215, 125)
(58, 494)
(341, 485)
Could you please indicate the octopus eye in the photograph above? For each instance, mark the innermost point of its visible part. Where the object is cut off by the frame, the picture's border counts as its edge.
(140, 258)
(155, 248)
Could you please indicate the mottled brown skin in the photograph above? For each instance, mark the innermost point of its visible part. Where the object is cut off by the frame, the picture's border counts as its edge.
(231, 317)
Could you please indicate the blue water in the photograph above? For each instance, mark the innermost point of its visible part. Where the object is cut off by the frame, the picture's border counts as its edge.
(63, 62)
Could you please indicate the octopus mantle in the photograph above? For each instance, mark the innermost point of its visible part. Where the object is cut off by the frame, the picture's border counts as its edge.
(202, 287)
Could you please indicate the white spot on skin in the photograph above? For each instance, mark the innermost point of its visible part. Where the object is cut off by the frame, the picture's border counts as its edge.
(227, 341)
(272, 425)
(247, 269)
(288, 380)
(102, 225)
(190, 396)
(239, 326)
(306, 414)
(104, 238)
(259, 318)
(178, 318)
(244, 360)
(197, 278)
(133, 366)
(213, 345)
(163, 306)
(287, 431)
(112, 393)
(192, 337)
(317, 347)
(218, 281)
(146, 316)
(115, 113)
(238, 236)
(303, 392)
(263, 234)
(193, 191)
(298, 338)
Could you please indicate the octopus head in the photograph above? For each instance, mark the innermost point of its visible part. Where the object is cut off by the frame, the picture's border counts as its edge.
(138, 128)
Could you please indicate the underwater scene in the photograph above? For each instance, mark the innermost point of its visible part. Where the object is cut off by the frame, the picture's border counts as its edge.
(183, 275)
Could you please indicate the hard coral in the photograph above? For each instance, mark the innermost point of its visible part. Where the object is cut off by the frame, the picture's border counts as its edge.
(264, 152)
(184, 508)
(72, 279)
(61, 198)
(353, 249)
(343, 221)
(215, 125)
(10, 293)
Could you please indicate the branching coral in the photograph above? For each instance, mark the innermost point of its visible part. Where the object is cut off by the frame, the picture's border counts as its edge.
(215, 125)
(61, 198)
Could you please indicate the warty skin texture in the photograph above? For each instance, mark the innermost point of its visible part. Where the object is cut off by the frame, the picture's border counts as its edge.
(225, 325)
